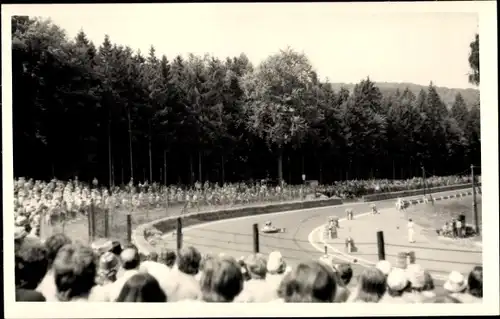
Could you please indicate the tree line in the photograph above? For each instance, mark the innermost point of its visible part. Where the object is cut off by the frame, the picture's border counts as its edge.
(111, 112)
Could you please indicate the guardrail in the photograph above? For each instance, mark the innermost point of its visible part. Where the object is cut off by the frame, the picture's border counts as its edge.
(415, 192)
(169, 224)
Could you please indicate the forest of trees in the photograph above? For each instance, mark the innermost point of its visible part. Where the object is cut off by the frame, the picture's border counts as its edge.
(108, 111)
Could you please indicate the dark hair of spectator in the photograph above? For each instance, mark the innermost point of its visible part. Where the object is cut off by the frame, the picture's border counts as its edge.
(399, 293)
(221, 280)
(475, 282)
(131, 262)
(371, 285)
(428, 282)
(116, 248)
(345, 273)
(54, 243)
(153, 256)
(310, 281)
(32, 262)
(142, 287)
(167, 257)
(74, 271)
(188, 260)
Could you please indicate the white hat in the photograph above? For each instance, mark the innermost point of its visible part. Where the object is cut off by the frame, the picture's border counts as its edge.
(275, 261)
(456, 282)
(397, 279)
(21, 220)
(416, 275)
(384, 266)
(288, 269)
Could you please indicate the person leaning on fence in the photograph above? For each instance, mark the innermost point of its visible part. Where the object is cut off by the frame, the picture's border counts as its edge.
(276, 266)
(129, 265)
(31, 262)
(53, 244)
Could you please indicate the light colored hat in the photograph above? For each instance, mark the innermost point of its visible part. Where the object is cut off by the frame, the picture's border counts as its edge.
(456, 282)
(21, 220)
(384, 266)
(288, 269)
(416, 275)
(397, 279)
(275, 261)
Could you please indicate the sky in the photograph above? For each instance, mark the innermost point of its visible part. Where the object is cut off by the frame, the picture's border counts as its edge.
(342, 45)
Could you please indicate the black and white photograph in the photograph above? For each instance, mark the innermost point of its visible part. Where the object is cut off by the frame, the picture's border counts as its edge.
(212, 155)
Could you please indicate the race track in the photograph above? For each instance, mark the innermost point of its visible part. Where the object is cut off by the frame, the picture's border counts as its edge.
(234, 236)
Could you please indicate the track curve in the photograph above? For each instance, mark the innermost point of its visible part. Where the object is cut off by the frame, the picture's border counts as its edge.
(234, 236)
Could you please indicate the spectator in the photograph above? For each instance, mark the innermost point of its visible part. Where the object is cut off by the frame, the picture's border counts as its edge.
(397, 285)
(256, 289)
(116, 248)
(181, 283)
(345, 273)
(311, 281)
(130, 263)
(456, 283)
(371, 286)
(428, 289)
(107, 268)
(74, 272)
(31, 262)
(474, 292)
(221, 280)
(384, 266)
(276, 267)
(168, 257)
(416, 277)
(475, 282)
(53, 244)
(141, 287)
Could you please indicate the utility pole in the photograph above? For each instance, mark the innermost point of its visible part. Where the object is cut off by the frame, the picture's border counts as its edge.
(423, 176)
(474, 201)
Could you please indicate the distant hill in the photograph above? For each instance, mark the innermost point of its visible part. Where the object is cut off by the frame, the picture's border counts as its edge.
(471, 96)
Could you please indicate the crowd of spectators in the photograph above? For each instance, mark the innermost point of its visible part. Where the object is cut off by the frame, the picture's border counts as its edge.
(60, 270)
(53, 201)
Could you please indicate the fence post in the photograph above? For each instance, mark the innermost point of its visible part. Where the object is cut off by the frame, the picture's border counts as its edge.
(89, 218)
(380, 245)
(179, 234)
(474, 202)
(106, 223)
(129, 227)
(93, 219)
(255, 238)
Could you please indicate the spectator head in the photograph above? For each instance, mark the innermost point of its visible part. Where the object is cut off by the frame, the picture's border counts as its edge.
(31, 259)
(384, 266)
(275, 263)
(371, 285)
(475, 282)
(256, 266)
(130, 258)
(74, 271)
(345, 273)
(416, 276)
(167, 257)
(54, 243)
(456, 283)
(311, 281)
(397, 282)
(221, 279)
(108, 267)
(141, 287)
(153, 256)
(429, 282)
(188, 260)
(116, 247)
